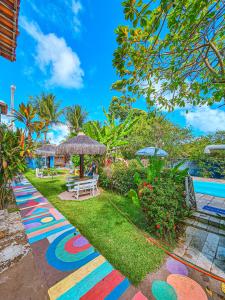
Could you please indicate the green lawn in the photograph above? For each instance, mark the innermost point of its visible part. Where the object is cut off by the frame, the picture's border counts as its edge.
(106, 228)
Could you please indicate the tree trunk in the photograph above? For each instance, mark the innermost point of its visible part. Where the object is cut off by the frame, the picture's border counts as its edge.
(45, 136)
(81, 166)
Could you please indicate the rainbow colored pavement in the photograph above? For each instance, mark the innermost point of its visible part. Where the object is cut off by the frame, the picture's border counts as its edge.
(71, 266)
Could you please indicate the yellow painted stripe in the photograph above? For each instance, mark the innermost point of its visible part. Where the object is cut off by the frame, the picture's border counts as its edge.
(65, 284)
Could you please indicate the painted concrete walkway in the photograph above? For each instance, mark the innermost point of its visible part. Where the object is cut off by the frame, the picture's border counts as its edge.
(71, 266)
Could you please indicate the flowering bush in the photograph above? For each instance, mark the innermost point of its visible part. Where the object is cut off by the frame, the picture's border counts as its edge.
(161, 195)
(164, 206)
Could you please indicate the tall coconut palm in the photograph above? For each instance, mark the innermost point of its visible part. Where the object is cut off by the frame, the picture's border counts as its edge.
(75, 116)
(48, 110)
(26, 115)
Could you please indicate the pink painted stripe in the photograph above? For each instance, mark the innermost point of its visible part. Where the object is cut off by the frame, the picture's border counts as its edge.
(37, 205)
(32, 234)
(139, 296)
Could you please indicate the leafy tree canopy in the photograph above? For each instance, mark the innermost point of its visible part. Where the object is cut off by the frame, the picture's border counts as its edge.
(172, 51)
(154, 131)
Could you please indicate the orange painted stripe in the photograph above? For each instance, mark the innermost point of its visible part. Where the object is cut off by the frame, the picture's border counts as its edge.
(32, 234)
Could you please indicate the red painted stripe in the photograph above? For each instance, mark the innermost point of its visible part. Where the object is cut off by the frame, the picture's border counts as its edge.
(69, 247)
(104, 287)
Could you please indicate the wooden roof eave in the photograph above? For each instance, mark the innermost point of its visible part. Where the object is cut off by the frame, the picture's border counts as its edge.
(8, 27)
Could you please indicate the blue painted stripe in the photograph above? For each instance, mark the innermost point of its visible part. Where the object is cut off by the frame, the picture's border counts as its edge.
(46, 225)
(119, 290)
(214, 209)
(87, 283)
(48, 233)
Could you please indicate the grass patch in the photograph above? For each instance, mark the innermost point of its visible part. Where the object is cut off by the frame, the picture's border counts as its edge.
(106, 229)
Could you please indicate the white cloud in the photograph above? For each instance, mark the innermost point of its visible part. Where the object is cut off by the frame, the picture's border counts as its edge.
(76, 9)
(206, 119)
(55, 58)
(58, 133)
(5, 119)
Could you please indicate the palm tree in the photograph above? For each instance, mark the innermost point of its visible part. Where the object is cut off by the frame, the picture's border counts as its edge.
(48, 110)
(75, 116)
(26, 115)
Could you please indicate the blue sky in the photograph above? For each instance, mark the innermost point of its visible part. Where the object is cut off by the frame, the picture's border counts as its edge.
(66, 47)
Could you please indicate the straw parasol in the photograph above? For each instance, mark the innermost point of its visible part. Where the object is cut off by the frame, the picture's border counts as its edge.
(81, 145)
(46, 150)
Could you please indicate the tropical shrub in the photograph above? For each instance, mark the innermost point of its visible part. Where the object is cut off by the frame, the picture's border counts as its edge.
(120, 176)
(14, 148)
(162, 198)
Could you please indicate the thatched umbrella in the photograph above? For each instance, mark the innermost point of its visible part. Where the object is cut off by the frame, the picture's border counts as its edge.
(46, 150)
(81, 145)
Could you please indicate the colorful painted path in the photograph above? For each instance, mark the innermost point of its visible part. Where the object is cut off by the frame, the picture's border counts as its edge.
(71, 266)
(73, 269)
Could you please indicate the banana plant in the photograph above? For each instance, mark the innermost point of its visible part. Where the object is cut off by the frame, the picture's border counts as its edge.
(111, 134)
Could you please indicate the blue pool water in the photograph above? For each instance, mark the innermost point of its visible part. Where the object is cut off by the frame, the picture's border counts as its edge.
(210, 188)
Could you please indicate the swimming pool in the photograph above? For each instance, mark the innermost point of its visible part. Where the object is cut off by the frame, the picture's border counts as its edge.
(210, 188)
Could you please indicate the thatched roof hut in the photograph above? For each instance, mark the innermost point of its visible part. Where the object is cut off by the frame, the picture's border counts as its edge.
(81, 145)
(46, 150)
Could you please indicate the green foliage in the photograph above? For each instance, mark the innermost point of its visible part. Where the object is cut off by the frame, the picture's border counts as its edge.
(208, 164)
(48, 110)
(75, 160)
(162, 198)
(112, 134)
(154, 130)
(171, 52)
(75, 116)
(13, 149)
(132, 194)
(50, 172)
(121, 106)
(120, 176)
(163, 203)
(26, 115)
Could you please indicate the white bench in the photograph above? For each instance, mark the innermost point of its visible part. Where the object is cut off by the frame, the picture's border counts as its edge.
(84, 185)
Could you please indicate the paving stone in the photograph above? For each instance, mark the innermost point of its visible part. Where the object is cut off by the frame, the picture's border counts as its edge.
(218, 267)
(221, 253)
(192, 254)
(213, 229)
(211, 245)
(222, 232)
(214, 221)
(204, 262)
(201, 233)
(204, 218)
(180, 250)
(198, 242)
(221, 242)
